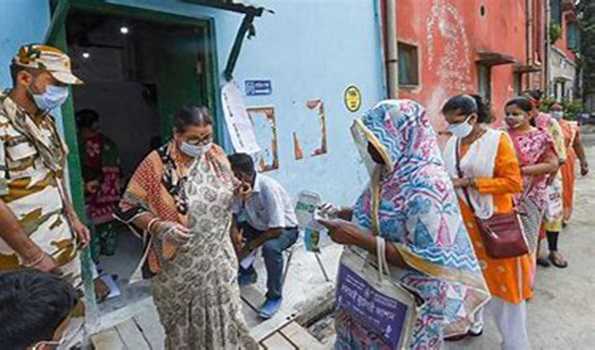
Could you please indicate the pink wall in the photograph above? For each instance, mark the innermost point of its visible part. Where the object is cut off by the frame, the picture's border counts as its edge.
(449, 34)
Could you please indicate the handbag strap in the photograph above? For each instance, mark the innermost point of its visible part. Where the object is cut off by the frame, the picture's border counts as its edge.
(381, 256)
(375, 199)
(462, 175)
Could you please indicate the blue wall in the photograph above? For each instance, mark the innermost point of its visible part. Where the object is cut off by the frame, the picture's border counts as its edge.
(309, 50)
(23, 22)
(315, 49)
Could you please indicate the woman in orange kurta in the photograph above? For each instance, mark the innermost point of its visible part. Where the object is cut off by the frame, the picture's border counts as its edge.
(502, 275)
(574, 150)
(491, 176)
(568, 169)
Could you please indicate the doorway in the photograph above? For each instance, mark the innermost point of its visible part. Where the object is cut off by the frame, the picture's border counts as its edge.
(138, 71)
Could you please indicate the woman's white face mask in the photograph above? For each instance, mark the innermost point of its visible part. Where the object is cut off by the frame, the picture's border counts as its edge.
(461, 130)
(557, 115)
(196, 151)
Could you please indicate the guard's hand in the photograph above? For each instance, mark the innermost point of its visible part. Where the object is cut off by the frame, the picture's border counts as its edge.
(82, 233)
(343, 232)
(47, 264)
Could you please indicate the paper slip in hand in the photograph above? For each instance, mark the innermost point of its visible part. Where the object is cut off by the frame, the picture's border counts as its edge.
(249, 260)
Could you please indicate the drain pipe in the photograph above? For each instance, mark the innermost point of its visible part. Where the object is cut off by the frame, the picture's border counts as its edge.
(548, 47)
(529, 38)
(392, 54)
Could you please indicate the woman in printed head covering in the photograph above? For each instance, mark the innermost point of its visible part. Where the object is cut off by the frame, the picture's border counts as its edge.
(411, 203)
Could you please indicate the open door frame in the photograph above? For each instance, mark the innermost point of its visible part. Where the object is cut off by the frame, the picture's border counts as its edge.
(56, 36)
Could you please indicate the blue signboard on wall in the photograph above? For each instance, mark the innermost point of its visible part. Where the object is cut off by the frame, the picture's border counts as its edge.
(258, 87)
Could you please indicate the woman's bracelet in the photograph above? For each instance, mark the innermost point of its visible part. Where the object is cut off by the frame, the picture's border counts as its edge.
(470, 182)
(150, 225)
(36, 261)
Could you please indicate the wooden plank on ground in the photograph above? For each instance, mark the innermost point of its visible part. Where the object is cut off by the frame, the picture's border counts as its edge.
(277, 342)
(107, 340)
(150, 327)
(300, 337)
(251, 317)
(252, 296)
(131, 336)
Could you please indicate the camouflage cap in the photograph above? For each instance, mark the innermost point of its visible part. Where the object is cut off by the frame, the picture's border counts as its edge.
(48, 58)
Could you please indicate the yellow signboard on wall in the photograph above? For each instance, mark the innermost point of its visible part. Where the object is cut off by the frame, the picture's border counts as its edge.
(353, 98)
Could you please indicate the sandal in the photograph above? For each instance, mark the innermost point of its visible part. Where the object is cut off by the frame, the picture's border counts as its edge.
(543, 262)
(456, 338)
(460, 337)
(558, 261)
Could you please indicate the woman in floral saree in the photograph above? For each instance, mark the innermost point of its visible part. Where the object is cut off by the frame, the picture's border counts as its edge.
(411, 203)
(180, 197)
(538, 159)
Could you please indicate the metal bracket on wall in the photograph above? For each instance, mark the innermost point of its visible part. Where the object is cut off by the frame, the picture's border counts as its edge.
(229, 5)
(246, 27)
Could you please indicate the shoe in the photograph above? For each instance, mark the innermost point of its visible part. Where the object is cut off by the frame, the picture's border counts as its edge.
(475, 334)
(270, 308)
(246, 279)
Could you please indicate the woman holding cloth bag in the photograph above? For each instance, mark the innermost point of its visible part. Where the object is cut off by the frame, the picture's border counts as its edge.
(410, 207)
(483, 165)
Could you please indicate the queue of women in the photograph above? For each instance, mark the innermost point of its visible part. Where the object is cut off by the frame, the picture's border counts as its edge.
(430, 206)
(502, 183)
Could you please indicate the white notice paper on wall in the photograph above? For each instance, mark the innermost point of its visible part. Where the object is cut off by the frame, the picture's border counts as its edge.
(241, 129)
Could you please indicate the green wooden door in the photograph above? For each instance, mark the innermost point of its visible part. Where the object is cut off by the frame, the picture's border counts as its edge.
(56, 36)
(181, 79)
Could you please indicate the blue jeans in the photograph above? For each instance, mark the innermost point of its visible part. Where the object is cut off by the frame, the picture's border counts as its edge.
(272, 251)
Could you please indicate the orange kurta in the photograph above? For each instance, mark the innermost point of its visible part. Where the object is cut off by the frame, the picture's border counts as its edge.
(568, 170)
(508, 279)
